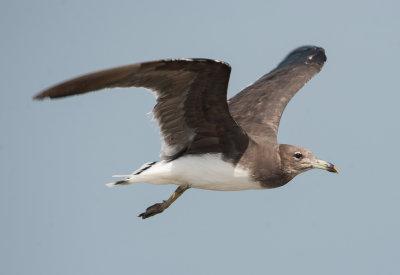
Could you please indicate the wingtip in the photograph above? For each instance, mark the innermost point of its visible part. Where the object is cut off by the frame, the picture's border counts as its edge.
(40, 96)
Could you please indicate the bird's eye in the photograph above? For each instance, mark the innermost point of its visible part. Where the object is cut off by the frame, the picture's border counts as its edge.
(298, 155)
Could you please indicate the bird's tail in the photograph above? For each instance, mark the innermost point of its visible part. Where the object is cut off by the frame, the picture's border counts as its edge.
(131, 178)
(120, 182)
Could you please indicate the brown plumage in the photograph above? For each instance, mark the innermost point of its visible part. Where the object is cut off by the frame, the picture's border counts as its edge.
(196, 120)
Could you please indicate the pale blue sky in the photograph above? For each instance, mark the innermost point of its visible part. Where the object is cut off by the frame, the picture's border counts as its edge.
(56, 215)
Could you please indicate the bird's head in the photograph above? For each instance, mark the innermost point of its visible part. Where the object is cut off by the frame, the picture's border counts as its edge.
(305, 55)
(296, 160)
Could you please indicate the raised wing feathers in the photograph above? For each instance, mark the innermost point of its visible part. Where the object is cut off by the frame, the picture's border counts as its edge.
(191, 109)
(258, 108)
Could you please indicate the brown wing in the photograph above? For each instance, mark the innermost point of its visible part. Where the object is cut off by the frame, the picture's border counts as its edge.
(191, 109)
(258, 108)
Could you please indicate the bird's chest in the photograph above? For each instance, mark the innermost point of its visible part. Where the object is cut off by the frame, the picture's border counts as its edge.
(262, 158)
(212, 173)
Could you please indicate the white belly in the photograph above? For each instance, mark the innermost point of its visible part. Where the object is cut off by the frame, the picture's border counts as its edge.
(202, 172)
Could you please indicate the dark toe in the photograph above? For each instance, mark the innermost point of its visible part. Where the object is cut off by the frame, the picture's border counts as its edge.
(152, 210)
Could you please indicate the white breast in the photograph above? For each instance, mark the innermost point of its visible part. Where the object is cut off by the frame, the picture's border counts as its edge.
(202, 172)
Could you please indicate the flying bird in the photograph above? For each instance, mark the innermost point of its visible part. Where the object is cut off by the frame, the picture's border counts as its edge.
(210, 142)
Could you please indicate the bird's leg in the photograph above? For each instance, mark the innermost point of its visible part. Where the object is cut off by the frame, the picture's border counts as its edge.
(160, 207)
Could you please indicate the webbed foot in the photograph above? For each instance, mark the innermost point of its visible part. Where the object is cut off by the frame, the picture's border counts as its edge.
(153, 210)
(160, 207)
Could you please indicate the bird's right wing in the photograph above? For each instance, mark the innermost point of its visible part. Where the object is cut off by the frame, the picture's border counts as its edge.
(258, 108)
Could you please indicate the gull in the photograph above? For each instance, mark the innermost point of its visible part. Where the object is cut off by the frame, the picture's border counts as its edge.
(209, 142)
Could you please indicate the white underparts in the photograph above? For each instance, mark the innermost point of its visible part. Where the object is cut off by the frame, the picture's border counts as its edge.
(198, 171)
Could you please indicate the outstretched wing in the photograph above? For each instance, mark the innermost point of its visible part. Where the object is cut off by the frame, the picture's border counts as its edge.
(191, 110)
(258, 108)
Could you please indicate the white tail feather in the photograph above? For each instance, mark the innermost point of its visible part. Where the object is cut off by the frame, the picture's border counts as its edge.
(132, 178)
(120, 182)
(111, 184)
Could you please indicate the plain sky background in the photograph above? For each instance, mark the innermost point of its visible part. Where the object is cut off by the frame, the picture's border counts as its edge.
(56, 215)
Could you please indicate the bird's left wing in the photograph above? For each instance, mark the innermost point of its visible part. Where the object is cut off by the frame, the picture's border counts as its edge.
(191, 110)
